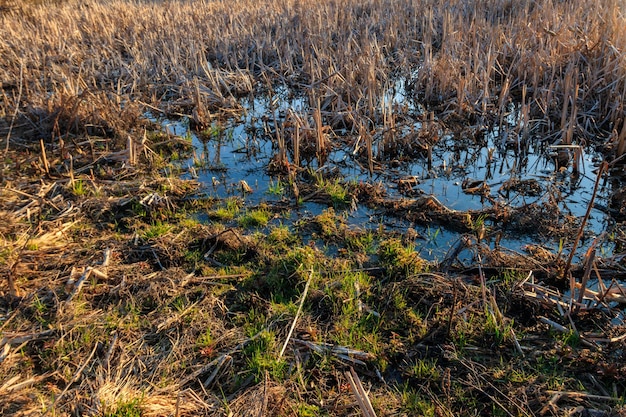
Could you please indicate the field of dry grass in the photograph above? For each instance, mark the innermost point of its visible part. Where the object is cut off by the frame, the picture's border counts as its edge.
(91, 65)
(116, 301)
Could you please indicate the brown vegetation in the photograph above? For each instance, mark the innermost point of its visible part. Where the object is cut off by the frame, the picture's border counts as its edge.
(95, 67)
(116, 301)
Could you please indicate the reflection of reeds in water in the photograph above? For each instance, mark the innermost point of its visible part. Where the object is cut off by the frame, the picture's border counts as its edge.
(365, 135)
(320, 143)
(296, 146)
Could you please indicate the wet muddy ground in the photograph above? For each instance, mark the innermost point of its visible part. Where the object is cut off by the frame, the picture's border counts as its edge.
(266, 211)
(477, 170)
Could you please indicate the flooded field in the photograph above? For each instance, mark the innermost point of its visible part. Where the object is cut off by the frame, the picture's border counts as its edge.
(323, 208)
(494, 167)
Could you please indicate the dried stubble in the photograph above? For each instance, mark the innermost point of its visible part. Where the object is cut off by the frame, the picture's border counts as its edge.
(94, 66)
(85, 63)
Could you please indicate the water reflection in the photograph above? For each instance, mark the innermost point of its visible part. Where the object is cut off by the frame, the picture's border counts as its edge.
(467, 170)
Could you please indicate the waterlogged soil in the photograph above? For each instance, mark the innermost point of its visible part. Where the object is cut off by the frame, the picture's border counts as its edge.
(200, 274)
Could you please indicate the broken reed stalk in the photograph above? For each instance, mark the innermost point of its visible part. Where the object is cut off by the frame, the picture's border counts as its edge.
(319, 134)
(590, 257)
(359, 392)
(389, 125)
(130, 147)
(483, 283)
(524, 117)
(11, 281)
(296, 145)
(452, 309)
(278, 130)
(573, 113)
(601, 170)
(502, 109)
(566, 102)
(280, 138)
(263, 407)
(621, 141)
(295, 319)
(17, 107)
(577, 159)
(44, 158)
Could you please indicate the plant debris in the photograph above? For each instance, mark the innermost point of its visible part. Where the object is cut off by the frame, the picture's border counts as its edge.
(130, 287)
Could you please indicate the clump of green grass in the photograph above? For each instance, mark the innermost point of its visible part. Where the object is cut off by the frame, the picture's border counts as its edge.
(79, 188)
(286, 269)
(5, 254)
(156, 230)
(41, 311)
(276, 188)
(205, 339)
(405, 319)
(212, 132)
(262, 352)
(281, 235)
(423, 369)
(500, 331)
(400, 259)
(193, 256)
(415, 403)
(128, 408)
(228, 211)
(255, 218)
(308, 410)
(330, 224)
(338, 193)
(262, 356)
(360, 241)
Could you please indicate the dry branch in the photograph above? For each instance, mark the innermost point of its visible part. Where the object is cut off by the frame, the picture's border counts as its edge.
(295, 319)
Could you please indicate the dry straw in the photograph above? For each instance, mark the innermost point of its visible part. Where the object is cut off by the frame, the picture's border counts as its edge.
(86, 67)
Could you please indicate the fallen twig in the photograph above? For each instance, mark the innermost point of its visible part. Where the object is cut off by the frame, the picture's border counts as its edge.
(348, 354)
(603, 167)
(584, 395)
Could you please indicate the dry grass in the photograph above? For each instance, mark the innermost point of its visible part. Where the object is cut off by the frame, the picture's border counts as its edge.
(117, 309)
(117, 303)
(91, 66)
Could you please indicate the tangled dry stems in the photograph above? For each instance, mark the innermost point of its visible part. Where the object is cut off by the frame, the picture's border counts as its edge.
(81, 75)
(96, 66)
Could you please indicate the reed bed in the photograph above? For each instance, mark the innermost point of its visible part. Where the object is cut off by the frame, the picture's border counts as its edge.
(98, 65)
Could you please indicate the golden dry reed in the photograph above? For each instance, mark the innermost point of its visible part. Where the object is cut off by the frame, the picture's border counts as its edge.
(95, 66)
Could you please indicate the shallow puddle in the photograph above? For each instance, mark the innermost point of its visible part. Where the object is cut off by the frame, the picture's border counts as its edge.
(463, 174)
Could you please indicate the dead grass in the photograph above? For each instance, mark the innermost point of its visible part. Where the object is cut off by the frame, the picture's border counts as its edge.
(96, 67)
(116, 302)
(106, 319)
